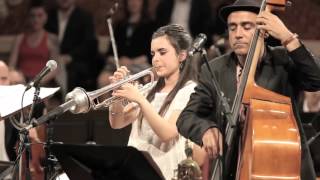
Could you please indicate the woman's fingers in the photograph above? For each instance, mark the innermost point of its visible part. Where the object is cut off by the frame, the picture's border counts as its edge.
(119, 74)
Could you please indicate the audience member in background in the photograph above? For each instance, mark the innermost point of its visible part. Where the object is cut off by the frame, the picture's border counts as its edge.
(37, 135)
(104, 76)
(6, 139)
(194, 15)
(153, 120)
(16, 77)
(35, 46)
(78, 43)
(133, 34)
(8, 135)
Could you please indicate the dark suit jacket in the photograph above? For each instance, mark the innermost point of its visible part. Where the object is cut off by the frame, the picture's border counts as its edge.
(11, 138)
(138, 43)
(80, 42)
(281, 72)
(200, 19)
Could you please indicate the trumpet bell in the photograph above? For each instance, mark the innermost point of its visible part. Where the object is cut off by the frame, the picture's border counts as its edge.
(82, 101)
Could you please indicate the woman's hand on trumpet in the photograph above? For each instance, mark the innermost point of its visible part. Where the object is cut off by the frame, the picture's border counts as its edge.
(130, 92)
(119, 74)
(127, 91)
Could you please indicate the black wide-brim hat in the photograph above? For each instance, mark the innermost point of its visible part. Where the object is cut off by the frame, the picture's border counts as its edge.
(240, 5)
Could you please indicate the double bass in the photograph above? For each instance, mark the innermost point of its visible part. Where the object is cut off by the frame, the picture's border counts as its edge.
(270, 143)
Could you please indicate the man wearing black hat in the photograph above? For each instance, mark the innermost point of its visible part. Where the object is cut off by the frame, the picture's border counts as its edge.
(286, 70)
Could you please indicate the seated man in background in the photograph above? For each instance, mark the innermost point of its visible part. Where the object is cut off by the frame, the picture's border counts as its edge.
(16, 77)
(9, 135)
(7, 141)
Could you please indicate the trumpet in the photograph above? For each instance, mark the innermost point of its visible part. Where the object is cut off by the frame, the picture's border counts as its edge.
(85, 101)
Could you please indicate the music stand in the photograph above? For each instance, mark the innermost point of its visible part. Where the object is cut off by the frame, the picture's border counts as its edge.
(97, 162)
(5, 168)
(11, 97)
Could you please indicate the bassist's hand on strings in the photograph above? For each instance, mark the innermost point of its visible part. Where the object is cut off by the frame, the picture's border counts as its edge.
(273, 25)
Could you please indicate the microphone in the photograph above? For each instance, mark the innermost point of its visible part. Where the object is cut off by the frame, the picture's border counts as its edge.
(50, 66)
(197, 44)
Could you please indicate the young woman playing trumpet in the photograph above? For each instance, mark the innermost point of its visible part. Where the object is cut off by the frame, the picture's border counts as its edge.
(153, 117)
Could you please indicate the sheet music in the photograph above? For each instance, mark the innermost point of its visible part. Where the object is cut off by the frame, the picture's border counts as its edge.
(11, 98)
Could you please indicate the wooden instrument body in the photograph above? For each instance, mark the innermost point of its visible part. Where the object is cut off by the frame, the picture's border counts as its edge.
(271, 146)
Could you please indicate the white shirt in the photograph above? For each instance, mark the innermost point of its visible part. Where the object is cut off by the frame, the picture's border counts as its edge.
(181, 13)
(167, 155)
(63, 19)
(3, 151)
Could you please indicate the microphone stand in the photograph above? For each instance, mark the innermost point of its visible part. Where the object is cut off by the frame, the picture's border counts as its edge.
(24, 143)
(24, 139)
(90, 132)
(226, 114)
(50, 161)
(314, 137)
(77, 101)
